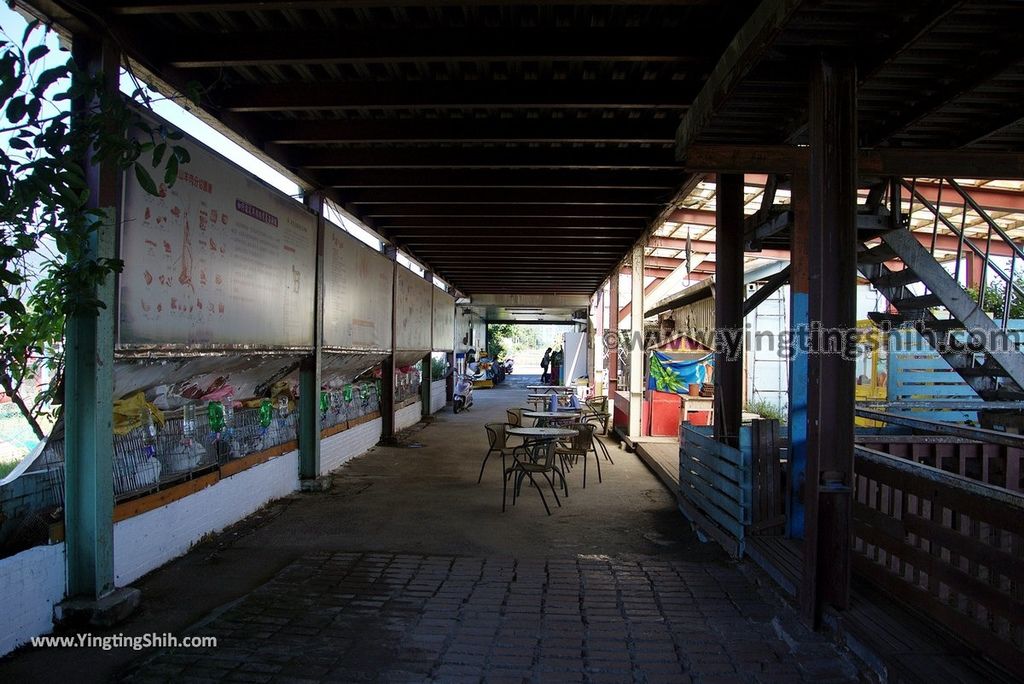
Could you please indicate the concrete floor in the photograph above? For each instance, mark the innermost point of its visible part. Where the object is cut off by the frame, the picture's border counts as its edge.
(418, 500)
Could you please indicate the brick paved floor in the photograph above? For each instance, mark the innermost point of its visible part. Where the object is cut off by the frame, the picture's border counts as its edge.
(395, 618)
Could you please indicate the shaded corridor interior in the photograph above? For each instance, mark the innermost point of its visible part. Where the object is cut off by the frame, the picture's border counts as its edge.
(406, 569)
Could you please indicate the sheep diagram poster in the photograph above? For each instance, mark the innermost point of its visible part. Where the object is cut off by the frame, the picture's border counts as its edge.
(357, 294)
(218, 260)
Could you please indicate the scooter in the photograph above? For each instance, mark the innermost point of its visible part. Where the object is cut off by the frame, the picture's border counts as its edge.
(508, 366)
(463, 395)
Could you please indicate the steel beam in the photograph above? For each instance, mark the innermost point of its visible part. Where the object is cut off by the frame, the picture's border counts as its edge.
(597, 344)
(613, 326)
(615, 200)
(583, 130)
(746, 49)
(504, 207)
(636, 350)
(729, 291)
(832, 280)
(387, 376)
(599, 179)
(347, 95)
(89, 375)
(309, 369)
(427, 359)
(772, 159)
(482, 44)
(144, 7)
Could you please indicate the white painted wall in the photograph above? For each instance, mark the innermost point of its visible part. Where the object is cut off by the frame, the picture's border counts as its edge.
(147, 541)
(31, 583)
(408, 416)
(438, 395)
(344, 446)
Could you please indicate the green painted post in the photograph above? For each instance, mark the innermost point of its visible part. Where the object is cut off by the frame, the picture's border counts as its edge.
(425, 376)
(89, 437)
(425, 386)
(309, 370)
(89, 375)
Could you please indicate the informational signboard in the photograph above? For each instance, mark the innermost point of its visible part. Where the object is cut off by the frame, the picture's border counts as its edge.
(444, 321)
(357, 294)
(414, 306)
(218, 260)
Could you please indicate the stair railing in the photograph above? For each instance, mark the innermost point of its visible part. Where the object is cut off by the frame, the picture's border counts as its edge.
(994, 231)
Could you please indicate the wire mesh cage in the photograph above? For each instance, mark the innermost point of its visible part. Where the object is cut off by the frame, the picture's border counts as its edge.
(180, 448)
(248, 433)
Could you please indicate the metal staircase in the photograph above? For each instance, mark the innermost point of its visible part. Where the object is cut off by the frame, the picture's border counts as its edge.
(898, 264)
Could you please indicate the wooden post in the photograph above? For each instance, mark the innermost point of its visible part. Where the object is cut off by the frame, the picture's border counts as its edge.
(799, 331)
(832, 285)
(728, 375)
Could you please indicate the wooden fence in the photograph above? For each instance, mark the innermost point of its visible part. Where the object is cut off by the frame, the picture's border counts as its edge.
(947, 545)
(994, 464)
(715, 485)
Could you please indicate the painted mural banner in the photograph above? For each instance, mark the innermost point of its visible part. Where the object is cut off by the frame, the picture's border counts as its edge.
(219, 260)
(668, 375)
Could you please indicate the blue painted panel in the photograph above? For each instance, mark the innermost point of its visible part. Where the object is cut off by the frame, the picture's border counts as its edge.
(797, 416)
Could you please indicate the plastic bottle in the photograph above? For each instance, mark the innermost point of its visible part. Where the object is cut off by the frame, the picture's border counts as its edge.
(188, 422)
(148, 432)
(215, 416)
(325, 403)
(266, 414)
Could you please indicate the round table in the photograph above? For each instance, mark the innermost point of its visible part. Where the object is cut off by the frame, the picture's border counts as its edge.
(537, 436)
(548, 389)
(545, 417)
(540, 432)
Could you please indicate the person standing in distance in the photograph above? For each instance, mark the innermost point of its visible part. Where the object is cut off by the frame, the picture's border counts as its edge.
(544, 365)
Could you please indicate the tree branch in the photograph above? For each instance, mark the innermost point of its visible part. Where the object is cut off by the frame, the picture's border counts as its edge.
(7, 383)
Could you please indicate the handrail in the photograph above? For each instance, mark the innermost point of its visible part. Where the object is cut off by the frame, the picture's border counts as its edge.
(915, 193)
(942, 428)
(1012, 502)
(984, 215)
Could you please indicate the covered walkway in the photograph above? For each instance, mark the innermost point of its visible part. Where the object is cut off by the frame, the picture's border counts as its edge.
(462, 163)
(407, 569)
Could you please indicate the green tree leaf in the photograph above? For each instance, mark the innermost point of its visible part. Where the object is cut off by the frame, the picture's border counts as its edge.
(145, 180)
(158, 154)
(171, 173)
(16, 109)
(37, 53)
